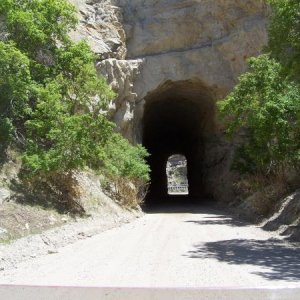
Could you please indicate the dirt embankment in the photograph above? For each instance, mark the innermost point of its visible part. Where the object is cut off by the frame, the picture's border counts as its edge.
(25, 212)
(50, 241)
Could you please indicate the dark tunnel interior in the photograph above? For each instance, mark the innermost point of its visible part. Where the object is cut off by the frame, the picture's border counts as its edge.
(178, 118)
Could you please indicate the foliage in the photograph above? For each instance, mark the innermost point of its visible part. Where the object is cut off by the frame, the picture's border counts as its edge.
(264, 107)
(60, 140)
(284, 35)
(267, 108)
(38, 24)
(124, 160)
(15, 89)
(50, 93)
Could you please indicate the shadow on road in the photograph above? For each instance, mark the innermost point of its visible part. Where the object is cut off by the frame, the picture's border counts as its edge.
(219, 220)
(277, 259)
(282, 260)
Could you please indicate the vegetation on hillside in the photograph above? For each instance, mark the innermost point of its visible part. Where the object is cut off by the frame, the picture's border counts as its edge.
(264, 107)
(52, 102)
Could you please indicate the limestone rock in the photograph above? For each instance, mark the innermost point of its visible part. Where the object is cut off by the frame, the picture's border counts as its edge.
(151, 46)
(92, 197)
(4, 195)
(3, 235)
(150, 42)
(101, 28)
(121, 74)
(286, 218)
(179, 40)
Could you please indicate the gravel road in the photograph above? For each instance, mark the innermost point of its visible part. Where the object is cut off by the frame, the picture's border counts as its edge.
(197, 247)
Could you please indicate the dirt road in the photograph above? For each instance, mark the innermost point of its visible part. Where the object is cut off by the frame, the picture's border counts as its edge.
(198, 247)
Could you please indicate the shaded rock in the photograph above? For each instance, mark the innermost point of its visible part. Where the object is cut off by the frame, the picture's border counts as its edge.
(101, 28)
(195, 49)
(287, 217)
(3, 233)
(4, 195)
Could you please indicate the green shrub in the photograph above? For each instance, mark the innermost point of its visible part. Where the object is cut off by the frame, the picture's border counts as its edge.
(52, 97)
(15, 90)
(284, 35)
(265, 104)
(37, 25)
(124, 160)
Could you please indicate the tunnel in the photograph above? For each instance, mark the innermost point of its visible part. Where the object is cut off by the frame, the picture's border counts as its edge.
(178, 118)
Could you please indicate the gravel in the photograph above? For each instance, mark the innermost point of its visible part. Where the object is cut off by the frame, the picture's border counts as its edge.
(50, 241)
(198, 247)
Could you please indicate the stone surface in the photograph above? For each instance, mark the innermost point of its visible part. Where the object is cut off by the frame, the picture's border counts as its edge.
(121, 74)
(148, 46)
(148, 43)
(208, 41)
(101, 28)
(3, 233)
(4, 195)
(286, 218)
(92, 198)
(185, 39)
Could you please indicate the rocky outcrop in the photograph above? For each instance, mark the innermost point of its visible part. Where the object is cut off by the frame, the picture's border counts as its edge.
(100, 27)
(121, 74)
(170, 40)
(4, 195)
(148, 47)
(286, 219)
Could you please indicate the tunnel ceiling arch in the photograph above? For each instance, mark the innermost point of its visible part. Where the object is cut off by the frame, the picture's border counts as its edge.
(178, 118)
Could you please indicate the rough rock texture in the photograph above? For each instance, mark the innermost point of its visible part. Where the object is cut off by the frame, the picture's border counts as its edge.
(4, 195)
(92, 197)
(205, 39)
(149, 46)
(100, 27)
(121, 74)
(183, 40)
(286, 219)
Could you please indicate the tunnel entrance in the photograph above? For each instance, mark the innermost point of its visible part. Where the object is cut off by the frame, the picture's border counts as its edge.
(178, 118)
(176, 170)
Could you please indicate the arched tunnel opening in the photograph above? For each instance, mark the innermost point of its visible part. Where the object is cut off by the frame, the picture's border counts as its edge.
(176, 171)
(179, 117)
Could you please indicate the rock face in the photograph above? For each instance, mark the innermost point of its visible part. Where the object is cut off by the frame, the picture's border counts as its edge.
(154, 50)
(4, 195)
(286, 220)
(100, 27)
(176, 40)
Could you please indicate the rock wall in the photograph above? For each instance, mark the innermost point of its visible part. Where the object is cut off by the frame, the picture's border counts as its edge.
(144, 45)
(175, 40)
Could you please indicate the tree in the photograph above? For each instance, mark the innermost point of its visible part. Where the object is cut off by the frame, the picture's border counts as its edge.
(51, 95)
(284, 35)
(15, 90)
(266, 101)
(266, 106)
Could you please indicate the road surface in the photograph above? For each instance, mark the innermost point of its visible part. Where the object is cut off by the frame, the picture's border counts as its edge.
(195, 247)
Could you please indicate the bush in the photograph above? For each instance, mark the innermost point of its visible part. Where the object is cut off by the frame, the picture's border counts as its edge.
(284, 35)
(15, 90)
(266, 106)
(37, 25)
(52, 97)
(124, 160)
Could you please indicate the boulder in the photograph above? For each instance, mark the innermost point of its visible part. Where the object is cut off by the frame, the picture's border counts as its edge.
(4, 195)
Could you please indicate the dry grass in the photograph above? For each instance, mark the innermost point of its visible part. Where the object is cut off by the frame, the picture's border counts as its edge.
(129, 193)
(264, 192)
(58, 190)
(21, 220)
